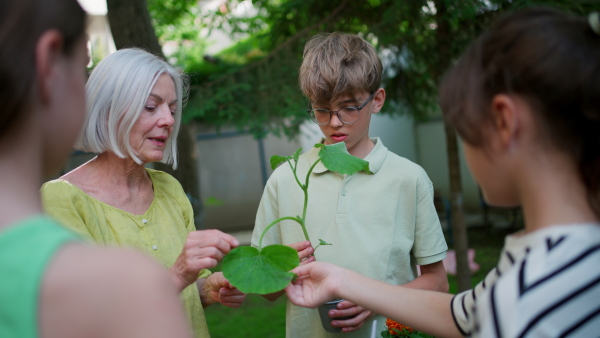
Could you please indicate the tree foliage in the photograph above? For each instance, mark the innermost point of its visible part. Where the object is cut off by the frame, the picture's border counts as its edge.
(259, 91)
(254, 84)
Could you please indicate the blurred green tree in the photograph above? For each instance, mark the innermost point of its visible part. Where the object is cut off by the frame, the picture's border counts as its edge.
(418, 41)
(253, 84)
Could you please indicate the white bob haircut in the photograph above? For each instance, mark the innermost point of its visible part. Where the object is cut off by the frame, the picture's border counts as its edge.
(116, 93)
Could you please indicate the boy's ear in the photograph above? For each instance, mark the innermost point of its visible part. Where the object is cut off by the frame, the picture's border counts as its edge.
(47, 55)
(378, 100)
(506, 116)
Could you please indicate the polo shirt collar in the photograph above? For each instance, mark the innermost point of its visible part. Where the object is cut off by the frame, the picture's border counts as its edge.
(375, 158)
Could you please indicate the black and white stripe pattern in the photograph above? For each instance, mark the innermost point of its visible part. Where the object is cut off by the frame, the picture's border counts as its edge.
(546, 284)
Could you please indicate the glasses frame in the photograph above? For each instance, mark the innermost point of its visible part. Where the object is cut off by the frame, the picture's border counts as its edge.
(337, 112)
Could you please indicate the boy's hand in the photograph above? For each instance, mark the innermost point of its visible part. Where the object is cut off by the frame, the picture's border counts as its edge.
(349, 309)
(305, 251)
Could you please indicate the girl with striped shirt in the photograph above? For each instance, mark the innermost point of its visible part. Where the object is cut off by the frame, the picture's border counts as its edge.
(525, 99)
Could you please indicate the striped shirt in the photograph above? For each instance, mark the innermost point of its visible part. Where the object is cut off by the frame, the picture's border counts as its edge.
(546, 284)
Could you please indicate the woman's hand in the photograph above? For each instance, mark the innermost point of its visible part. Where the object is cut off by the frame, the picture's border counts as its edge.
(348, 309)
(202, 250)
(217, 289)
(316, 284)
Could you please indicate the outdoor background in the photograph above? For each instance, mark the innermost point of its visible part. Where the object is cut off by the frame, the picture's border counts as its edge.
(242, 58)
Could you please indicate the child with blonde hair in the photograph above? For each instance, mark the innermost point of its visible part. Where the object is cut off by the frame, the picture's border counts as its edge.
(382, 224)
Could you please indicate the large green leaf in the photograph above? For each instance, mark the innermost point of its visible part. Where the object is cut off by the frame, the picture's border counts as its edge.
(336, 158)
(262, 272)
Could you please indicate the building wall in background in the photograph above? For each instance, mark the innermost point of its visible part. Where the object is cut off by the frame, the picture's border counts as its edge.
(232, 181)
(233, 168)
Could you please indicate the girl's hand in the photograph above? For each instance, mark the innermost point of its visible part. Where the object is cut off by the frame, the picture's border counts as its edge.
(202, 250)
(305, 251)
(305, 254)
(217, 289)
(349, 309)
(316, 284)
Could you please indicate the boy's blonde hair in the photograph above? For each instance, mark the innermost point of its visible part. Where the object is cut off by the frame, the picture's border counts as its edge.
(336, 64)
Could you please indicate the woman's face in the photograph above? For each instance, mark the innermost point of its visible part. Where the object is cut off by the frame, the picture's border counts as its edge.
(153, 128)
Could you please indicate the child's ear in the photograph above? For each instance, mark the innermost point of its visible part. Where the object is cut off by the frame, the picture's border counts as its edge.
(378, 100)
(48, 52)
(506, 116)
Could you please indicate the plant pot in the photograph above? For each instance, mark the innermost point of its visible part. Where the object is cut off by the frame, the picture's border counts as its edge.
(326, 320)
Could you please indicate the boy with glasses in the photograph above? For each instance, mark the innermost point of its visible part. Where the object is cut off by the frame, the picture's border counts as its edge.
(381, 224)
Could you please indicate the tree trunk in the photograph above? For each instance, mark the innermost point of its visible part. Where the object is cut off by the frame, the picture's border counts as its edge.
(459, 231)
(131, 26)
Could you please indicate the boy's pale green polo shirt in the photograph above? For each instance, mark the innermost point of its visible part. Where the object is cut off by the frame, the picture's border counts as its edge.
(381, 225)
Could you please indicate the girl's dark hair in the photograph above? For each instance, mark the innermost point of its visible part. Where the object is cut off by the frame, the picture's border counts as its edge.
(22, 22)
(550, 59)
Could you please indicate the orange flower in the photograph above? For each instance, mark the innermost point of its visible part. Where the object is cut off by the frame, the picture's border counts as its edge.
(395, 325)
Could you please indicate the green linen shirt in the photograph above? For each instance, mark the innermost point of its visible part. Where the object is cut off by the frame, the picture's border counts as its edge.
(26, 249)
(381, 225)
(160, 232)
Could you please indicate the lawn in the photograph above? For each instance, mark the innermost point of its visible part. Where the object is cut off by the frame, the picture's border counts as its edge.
(259, 318)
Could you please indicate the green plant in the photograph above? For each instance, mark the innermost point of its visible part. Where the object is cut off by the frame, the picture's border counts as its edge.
(266, 270)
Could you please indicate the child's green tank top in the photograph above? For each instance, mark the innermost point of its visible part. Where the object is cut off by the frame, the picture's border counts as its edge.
(26, 248)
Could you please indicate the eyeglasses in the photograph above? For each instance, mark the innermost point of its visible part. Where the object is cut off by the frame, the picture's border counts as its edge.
(347, 115)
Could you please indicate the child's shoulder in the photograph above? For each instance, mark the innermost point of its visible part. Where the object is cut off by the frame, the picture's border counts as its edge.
(401, 165)
(399, 160)
(392, 164)
(558, 245)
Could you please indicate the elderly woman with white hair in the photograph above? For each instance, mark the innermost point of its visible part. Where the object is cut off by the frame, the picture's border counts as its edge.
(133, 118)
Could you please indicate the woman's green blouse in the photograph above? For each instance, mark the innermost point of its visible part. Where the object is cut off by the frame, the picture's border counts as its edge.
(160, 232)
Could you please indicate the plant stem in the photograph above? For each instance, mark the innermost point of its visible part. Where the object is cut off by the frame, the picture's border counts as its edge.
(310, 171)
(298, 220)
(305, 189)
(275, 222)
(295, 176)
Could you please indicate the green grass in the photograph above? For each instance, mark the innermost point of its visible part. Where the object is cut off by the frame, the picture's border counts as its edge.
(256, 318)
(259, 318)
(487, 247)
